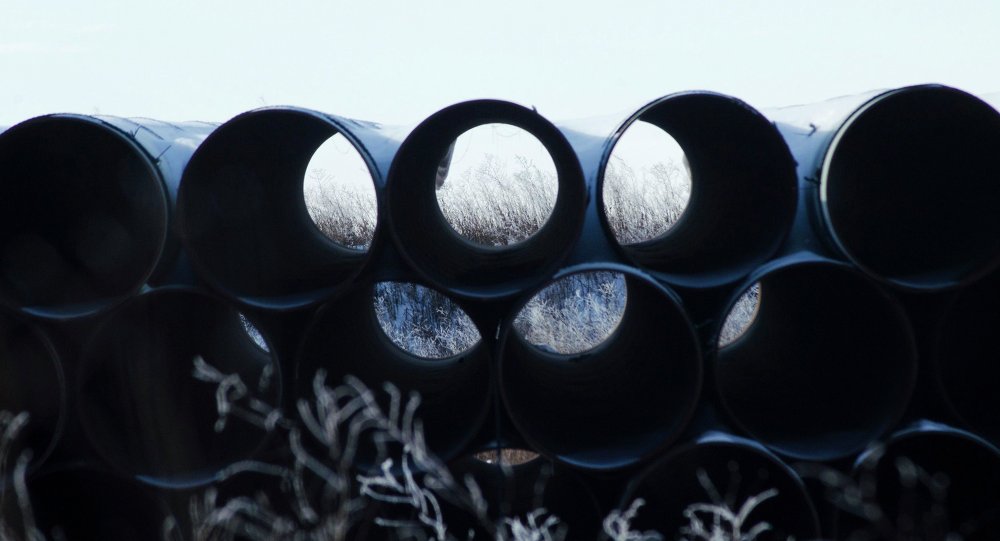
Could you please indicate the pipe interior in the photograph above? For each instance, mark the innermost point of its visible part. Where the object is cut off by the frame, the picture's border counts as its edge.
(85, 216)
(142, 404)
(736, 473)
(346, 338)
(741, 173)
(436, 249)
(910, 188)
(967, 361)
(615, 404)
(826, 367)
(245, 220)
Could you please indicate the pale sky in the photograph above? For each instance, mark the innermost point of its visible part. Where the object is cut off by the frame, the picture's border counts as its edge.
(399, 61)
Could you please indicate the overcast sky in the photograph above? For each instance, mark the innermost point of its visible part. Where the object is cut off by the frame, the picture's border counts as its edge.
(397, 62)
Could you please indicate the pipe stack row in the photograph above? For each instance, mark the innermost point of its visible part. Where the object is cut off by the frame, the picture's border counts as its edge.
(133, 251)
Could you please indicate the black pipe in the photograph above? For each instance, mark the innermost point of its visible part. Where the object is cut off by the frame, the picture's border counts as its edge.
(743, 194)
(87, 209)
(82, 503)
(243, 216)
(964, 361)
(443, 257)
(616, 404)
(143, 405)
(32, 383)
(827, 365)
(903, 182)
(928, 481)
(722, 472)
(345, 338)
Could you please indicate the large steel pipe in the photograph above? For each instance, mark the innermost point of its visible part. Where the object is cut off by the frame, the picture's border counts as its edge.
(32, 392)
(87, 208)
(243, 215)
(826, 366)
(726, 485)
(743, 190)
(927, 481)
(345, 338)
(903, 182)
(81, 503)
(615, 404)
(965, 358)
(442, 256)
(163, 382)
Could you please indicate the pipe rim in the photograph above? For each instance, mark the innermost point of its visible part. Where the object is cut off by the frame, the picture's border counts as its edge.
(730, 443)
(908, 361)
(227, 139)
(647, 254)
(130, 466)
(153, 180)
(470, 366)
(660, 438)
(448, 261)
(954, 278)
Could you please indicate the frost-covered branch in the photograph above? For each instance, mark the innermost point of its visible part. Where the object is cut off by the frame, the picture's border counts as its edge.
(325, 440)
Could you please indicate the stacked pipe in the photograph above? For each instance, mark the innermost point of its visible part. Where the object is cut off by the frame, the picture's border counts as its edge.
(858, 404)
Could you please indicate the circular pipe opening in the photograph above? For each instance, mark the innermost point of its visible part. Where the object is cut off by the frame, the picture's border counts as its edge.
(346, 338)
(908, 188)
(574, 314)
(245, 221)
(827, 366)
(32, 393)
(726, 486)
(423, 322)
(446, 259)
(340, 194)
(647, 184)
(741, 173)
(613, 405)
(966, 357)
(496, 185)
(926, 483)
(84, 216)
(162, 384)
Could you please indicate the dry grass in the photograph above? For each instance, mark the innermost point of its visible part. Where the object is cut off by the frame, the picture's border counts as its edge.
(497, 204)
